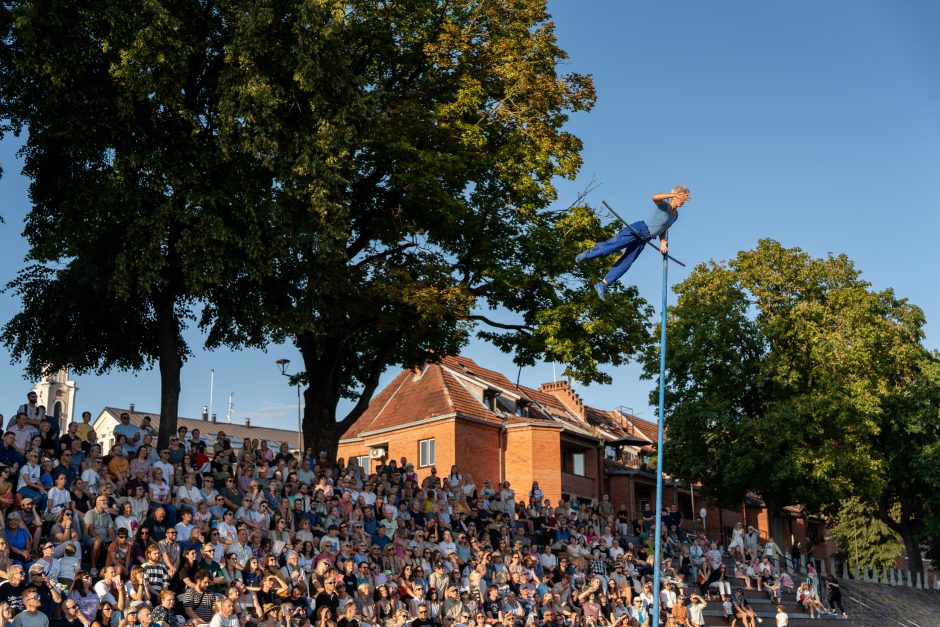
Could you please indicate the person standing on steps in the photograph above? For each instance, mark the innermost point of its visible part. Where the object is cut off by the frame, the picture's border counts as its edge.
(632, 239)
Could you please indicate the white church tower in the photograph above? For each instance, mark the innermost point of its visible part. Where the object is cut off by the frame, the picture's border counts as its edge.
(57, 394)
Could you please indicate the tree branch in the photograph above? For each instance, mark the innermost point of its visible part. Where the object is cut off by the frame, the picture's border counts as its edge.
(502, 325)
(379, 362)
(384, 253)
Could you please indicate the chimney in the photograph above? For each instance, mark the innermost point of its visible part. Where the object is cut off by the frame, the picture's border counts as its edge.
(247, 423)
(213, 418)
(131, 409)
(563, 391)
(205, 413)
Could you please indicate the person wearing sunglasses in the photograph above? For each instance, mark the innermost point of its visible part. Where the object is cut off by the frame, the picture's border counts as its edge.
(31, 616)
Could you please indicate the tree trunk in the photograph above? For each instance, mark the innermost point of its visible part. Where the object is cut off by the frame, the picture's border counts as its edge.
(168, 338)
(321, 429)
(911, 545)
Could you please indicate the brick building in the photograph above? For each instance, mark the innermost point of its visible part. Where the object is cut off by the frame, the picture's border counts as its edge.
(459, 413)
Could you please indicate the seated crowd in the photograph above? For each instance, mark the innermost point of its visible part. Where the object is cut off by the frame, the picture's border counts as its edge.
(208, 533)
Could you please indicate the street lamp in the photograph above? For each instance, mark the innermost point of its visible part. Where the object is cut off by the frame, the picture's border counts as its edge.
(282, 364)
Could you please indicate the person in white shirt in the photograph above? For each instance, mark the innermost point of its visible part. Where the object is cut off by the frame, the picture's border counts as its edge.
(697, 610)
(447, 544)
(185, 526)
(91, 477)
(225, 617)
(667, 596)
(164, 465)
(547, 559)
(783, 619)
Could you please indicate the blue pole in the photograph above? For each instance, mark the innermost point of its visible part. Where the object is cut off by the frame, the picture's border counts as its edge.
(659, 449)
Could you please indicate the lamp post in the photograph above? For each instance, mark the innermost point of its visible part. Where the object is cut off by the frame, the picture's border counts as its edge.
(282, 364)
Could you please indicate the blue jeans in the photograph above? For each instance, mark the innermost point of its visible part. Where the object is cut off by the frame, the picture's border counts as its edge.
(625, 240)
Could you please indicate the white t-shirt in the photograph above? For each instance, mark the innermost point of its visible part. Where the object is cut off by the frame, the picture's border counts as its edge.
(166, 468)
(93, 479)
(59, 498)
(30, 473)
(782, 619)
(193, 494)
(697, 613)
(104, 592)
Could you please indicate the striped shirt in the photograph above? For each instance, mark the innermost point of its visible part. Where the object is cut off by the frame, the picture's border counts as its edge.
(155, 575)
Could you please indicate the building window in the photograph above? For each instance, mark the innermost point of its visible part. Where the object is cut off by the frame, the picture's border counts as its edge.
(577, 464)
(364, 464)
(426, 453)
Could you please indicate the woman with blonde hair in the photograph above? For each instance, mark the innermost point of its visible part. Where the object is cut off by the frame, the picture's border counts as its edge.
(633, 238)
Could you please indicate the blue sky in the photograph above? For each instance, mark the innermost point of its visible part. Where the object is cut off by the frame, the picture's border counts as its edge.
(813, 123)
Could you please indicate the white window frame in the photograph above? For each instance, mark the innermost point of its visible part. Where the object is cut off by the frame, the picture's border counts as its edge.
(365, 463)
(577, 464)
(426, 453)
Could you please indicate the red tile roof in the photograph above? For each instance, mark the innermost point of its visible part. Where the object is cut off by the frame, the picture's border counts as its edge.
(454, 388)
(649, 429)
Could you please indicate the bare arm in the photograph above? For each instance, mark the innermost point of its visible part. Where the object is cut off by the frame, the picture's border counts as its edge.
(658, 198)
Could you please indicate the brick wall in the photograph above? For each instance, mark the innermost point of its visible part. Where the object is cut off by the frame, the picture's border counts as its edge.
(533, 454)
(404, 443)
(576, 486)
(477, 448)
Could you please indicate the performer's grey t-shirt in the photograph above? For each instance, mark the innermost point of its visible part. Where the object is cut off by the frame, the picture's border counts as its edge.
(661, 219)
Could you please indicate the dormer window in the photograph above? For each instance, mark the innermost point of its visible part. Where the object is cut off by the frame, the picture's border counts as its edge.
(522, 407)
(489, 398)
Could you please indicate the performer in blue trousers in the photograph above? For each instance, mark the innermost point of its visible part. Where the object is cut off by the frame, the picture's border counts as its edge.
(666, 212)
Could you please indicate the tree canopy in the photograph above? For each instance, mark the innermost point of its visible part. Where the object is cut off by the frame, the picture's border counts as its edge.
(789, 377)
(368, 180)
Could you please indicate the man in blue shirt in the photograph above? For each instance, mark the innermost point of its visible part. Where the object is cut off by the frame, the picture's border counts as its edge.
(656, 225)
(130, 431)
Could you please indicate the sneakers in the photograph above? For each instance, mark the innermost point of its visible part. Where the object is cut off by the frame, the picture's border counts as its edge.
(93, 572)
(581, 257)
(601, 288)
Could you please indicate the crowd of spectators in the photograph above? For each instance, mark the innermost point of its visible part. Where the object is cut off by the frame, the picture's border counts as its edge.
(230, 534)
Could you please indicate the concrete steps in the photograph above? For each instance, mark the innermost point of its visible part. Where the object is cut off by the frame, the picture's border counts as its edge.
(797, 619)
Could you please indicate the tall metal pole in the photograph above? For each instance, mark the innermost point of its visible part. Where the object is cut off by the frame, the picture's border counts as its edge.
(659, 449)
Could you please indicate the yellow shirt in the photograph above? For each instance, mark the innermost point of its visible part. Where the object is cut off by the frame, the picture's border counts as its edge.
(83, 429)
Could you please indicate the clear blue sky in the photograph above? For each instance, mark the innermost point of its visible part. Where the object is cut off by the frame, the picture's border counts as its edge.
(814, 123)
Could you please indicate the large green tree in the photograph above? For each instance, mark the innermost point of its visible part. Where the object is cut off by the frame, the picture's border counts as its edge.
(368, 180)
(788, 376)
(136, 206)
(414, 148)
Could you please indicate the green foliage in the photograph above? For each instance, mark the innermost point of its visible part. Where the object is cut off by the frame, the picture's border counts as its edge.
(412, 151)
(368, 180)
(785, 374)
(863, 539)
